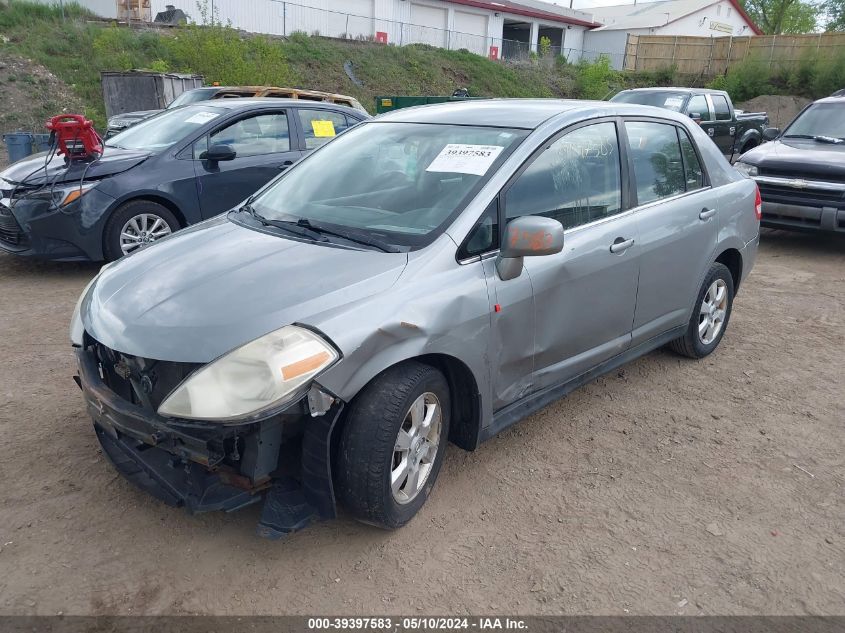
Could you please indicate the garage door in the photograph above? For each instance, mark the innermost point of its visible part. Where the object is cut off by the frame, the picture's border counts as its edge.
(470, 32)
(428, 25)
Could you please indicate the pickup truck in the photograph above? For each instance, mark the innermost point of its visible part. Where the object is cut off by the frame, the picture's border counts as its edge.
(733, 132)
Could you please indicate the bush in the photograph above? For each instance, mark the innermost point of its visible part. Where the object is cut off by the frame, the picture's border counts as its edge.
(596, 80)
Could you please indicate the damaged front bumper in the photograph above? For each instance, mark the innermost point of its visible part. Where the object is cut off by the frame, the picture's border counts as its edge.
(208, 466)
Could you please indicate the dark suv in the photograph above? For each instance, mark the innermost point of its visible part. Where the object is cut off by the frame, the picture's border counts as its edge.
(801, 174)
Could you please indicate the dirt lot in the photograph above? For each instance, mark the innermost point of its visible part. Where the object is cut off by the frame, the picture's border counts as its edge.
(668, 487)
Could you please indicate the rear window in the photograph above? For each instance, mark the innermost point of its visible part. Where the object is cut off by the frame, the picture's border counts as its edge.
(661, 99)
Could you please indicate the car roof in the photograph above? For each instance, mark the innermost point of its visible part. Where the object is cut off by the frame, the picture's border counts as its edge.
(675, 89)
(511, 113)
(246, 103)
(832, 99)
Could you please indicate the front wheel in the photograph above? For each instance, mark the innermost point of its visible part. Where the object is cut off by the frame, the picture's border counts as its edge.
(136, 225)
(393, 443)
(710, 315)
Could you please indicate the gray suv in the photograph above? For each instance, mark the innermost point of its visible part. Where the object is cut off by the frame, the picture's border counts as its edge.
(432, 275)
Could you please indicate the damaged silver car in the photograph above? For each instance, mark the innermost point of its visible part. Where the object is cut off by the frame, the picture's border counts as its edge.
(431, 276)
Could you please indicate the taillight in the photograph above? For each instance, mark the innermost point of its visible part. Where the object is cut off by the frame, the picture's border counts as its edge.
(758, 204)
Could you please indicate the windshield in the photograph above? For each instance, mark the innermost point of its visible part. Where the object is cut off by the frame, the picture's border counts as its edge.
(661, 99)
(821, 119)
(158, 133)
(396, 182)
(192, 96)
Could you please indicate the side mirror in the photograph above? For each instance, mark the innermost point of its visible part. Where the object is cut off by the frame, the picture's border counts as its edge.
(219, 152)
(695, 116)
(528, 236)
(770, 133)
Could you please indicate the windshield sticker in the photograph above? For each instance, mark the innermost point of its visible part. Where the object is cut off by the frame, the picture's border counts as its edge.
(202, 117)
(673, 102)
(323, 129)
(465, 159)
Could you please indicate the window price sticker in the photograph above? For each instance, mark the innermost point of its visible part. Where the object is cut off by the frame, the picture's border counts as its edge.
(465, 159)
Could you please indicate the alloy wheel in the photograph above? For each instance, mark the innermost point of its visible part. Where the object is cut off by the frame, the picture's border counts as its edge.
(416, 448)
(142, 230)
(714, 308)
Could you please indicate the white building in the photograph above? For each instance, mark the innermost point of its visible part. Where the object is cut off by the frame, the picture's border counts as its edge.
(702, 18)
(495, 28)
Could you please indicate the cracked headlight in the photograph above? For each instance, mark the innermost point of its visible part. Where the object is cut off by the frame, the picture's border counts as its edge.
(746, 169)
(253, 378)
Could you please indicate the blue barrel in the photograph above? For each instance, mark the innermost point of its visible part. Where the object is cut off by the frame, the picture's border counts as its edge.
(41, 142)
(19, 145)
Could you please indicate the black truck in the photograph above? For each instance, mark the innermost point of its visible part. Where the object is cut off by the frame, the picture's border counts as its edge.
(801, 173)
(734, 132)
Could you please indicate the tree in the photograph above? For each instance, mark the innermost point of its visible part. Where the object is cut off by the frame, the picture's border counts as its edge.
(834, 15)
(784, 16)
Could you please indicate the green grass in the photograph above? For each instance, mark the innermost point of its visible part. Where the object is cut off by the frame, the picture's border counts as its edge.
(76, 49)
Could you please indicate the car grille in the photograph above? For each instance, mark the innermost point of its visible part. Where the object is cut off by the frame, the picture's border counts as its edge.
(10, 231)
(805, 196)
(803, 175)
(141, 381)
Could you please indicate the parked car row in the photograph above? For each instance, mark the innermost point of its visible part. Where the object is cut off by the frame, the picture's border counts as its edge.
(336, 321)
(174, 169)
(401, 287)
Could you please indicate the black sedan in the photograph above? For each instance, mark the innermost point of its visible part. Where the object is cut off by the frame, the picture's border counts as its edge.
(177, 168)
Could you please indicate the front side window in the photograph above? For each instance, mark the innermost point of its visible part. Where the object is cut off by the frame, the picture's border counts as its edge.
(698, 106)
(723, 111)
(253, 136)
(398, 182)
(320, 126)
(576, 180)
(656, 154)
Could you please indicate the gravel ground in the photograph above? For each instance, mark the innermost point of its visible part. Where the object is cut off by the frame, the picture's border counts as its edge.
(669, 486)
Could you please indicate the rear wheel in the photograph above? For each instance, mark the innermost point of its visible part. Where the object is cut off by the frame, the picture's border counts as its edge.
(710, 316)
(392, 445)
(136, 225)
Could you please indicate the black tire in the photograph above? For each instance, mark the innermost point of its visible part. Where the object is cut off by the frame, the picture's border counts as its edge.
(691, 343)
(366, 451)
(111, 234)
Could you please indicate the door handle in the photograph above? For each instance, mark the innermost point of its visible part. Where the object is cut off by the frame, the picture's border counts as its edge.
(285, 165)
(706, 214)
(620, 245)
(710, 131)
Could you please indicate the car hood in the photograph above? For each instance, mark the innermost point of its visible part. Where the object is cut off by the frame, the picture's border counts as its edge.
(217, 285)
(31, 169)
(801, 157)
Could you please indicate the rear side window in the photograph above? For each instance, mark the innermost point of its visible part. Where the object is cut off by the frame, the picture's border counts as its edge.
(576, 180)
(720, 105)
(698, 105)
(658, 167)
(692, 166)
(321, 126)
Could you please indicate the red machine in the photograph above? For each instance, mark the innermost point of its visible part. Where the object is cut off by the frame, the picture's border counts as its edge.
(75, 136)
